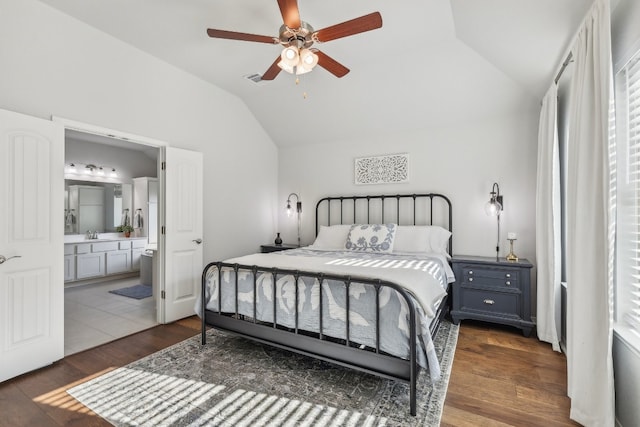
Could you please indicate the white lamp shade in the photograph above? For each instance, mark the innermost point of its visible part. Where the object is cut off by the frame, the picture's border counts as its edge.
(302, 70)
(286, 67)
(290, 56)
(308, 59)
(493, 207)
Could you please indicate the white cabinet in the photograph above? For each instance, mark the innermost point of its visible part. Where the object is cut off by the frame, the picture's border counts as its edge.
(135, 258)
(90, 265)
(118, 261)
(69, 262)
(92, 260)
(137, 249)
(69, 267)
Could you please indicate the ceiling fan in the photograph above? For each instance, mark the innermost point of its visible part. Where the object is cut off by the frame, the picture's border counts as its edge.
(297, 37)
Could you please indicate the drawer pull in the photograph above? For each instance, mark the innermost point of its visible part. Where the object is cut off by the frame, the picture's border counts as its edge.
(508, 283)
(508, 275)
(471, 279)
(489, 302)
(470, 271)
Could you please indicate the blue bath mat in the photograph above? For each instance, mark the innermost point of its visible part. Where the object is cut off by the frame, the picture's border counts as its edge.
(137, 291)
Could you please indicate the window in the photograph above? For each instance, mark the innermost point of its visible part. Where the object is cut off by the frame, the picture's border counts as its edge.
(628, 198)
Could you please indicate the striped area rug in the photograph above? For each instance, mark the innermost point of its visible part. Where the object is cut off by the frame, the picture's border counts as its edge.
(232, 381)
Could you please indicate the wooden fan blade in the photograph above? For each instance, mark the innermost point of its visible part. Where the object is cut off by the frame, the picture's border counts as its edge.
(331, 65)
(368, 22)
(273, 71)
(233, 35)
(290, 13)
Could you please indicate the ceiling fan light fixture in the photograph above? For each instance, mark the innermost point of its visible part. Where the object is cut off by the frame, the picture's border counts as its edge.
(308, 59)
(290, 56)
(300, 69)
(286, 67)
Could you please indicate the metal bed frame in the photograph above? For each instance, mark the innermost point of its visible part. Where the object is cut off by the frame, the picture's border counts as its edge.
(343, 352)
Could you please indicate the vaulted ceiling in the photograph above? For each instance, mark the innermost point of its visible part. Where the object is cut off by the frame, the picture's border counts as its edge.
(433, 62)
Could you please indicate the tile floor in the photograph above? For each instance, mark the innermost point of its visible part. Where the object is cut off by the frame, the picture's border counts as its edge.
(93, 316)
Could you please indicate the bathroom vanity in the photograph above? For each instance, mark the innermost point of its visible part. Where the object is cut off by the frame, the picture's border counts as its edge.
(95, 258)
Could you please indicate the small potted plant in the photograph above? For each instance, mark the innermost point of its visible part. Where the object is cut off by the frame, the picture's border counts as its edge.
(126, 229)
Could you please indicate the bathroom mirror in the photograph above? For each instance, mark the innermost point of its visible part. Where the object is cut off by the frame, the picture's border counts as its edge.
(96, 206)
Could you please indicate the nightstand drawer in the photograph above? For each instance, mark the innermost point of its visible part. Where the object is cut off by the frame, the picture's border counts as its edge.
(490, 277)
(479, 300)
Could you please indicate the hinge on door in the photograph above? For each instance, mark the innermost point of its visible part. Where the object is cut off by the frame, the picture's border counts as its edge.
(162, 295)
(163, 166)
(162, 230)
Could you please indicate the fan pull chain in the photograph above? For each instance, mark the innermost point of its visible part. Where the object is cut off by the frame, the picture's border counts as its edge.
(304, 93)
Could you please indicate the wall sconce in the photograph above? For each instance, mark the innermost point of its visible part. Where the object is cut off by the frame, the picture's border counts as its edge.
(493, 208)
(298, 211)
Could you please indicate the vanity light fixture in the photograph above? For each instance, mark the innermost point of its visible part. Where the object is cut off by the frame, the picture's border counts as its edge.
(298, 211)
(493, 208)
(90, 169)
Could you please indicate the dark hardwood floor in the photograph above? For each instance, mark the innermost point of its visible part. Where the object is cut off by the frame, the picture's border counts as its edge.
(501, 378)
(498, 378)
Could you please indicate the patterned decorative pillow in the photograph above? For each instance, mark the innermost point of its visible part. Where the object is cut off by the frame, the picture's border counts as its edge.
(371, 237)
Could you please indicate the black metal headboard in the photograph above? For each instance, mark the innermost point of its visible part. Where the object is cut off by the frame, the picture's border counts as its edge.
(402, 209)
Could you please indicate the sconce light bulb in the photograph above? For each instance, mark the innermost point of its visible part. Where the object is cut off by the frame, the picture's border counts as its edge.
(492, 208)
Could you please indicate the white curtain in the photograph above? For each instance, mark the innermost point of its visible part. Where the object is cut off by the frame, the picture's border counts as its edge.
(548, 248)
(589, 223)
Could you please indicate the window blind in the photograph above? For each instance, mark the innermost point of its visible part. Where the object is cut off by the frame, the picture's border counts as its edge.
(628, 251)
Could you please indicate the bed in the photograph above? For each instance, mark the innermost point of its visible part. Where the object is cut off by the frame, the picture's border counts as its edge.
(368, 294)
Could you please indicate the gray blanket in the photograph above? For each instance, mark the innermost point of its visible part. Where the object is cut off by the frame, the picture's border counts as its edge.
(425, 277)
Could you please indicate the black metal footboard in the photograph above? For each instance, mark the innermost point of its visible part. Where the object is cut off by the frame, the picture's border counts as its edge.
(340, 351)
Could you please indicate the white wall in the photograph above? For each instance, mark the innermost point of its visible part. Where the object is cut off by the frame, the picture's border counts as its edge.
(55, 65)
(461, 162)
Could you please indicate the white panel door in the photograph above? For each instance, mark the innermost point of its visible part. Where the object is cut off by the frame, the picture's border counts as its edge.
(31, 243)
(183, 217)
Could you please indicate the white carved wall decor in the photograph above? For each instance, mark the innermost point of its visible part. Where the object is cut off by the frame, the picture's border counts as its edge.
(389, 169)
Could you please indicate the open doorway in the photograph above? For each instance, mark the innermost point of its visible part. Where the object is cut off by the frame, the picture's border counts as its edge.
(111, 239)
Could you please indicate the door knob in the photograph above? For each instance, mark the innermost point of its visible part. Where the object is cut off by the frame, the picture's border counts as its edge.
(3, 258)
(198, 241)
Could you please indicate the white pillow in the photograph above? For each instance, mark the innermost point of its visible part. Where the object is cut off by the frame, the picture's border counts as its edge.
(422, 238)
(371, 238)
(331, 237)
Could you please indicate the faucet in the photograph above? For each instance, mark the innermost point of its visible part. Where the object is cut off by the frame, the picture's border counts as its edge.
(91, 234)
